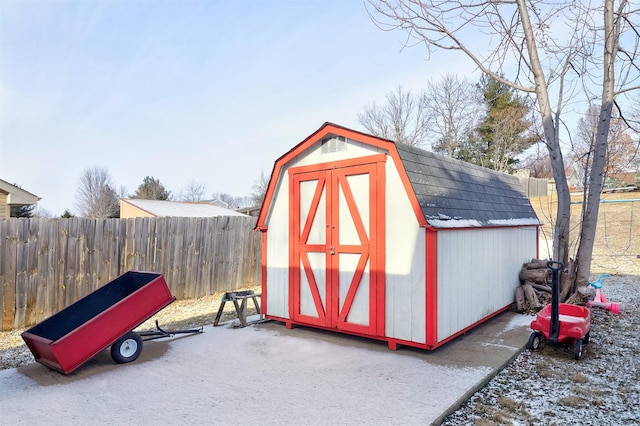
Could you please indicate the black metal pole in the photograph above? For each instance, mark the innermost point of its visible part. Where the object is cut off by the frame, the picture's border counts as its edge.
(554, 327)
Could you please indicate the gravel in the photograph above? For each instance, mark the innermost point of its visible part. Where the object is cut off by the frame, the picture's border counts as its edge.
(549, 387)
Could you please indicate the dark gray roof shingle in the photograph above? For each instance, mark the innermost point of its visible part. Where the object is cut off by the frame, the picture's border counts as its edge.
(455, 194)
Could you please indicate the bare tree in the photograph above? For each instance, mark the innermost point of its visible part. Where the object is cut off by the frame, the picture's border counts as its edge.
(553, 51)
(193, 192)
(538, 163)
(622, 152)
(232, 202)
(96, 197)
(259, 190)
(453, 106)
(402, 118)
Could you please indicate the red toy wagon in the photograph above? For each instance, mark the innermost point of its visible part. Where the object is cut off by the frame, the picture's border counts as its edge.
(561, 322)
(103, 318)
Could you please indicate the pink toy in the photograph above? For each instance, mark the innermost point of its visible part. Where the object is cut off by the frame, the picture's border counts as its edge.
(599, 300)
(610, 306)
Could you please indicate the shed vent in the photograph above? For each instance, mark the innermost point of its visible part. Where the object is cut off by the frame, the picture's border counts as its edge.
(334, 144)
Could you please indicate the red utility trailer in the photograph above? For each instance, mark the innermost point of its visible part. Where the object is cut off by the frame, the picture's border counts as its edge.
(103, 318)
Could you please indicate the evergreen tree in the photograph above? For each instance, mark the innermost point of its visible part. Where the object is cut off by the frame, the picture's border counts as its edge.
(151, 189)
(22, 211)
(505, 131)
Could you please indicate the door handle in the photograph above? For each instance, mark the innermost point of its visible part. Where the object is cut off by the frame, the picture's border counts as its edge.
(332, 250)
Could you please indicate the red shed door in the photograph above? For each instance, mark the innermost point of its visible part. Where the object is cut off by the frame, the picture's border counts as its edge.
(335, 275)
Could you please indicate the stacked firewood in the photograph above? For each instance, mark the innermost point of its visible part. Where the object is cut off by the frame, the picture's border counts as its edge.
(534, 291)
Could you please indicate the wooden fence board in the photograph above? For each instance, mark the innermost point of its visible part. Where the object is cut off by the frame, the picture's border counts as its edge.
(101, 273)
(129, 246)
(3, 238)
(160, 251)
(47, 268)
(22, 272)
(40, 240)
(61, 271)
(30, 287)
(205, 258)
(9, 259)
(181, 255)
(89, 283)
(72, 262)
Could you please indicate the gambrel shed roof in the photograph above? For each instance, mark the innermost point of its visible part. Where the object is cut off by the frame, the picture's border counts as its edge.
(456, 194)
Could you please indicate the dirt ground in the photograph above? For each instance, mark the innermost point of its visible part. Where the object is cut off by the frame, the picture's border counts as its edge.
(617, 243)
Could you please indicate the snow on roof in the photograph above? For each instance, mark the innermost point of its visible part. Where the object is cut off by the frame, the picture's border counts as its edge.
(472, 223)
(180, 209)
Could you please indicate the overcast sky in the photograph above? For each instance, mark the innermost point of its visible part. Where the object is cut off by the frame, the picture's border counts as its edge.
(205, 91)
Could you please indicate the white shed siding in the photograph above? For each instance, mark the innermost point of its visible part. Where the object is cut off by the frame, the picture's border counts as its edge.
(277, 253)
(405, 264)
(478, 273)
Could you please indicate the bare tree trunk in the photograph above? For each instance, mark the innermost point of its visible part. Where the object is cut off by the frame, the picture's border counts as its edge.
(563, 216)
(596, 176)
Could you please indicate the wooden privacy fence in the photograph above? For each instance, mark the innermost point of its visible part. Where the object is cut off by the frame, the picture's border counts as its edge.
(535, 187)
(47, 264)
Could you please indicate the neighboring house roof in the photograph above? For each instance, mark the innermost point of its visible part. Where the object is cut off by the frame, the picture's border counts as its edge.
(455, 194)
(17, 196)
(628, 178)
(161, 208)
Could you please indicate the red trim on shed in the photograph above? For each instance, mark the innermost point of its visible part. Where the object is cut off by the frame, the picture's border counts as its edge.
(431, 275)
(263, 268)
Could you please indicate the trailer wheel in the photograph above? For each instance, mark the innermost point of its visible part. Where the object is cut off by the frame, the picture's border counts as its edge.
(127, 348)
(534, 341)
(577, 350)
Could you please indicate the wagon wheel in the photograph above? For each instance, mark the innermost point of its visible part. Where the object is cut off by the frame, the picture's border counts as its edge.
(127, 348)
(577, 350)
(587, 338)
(534, 341)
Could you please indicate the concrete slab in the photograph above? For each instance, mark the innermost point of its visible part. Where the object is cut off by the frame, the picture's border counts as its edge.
(492, 345)
(266, 374)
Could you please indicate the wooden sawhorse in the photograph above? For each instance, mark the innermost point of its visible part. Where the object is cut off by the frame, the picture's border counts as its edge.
(241, 308)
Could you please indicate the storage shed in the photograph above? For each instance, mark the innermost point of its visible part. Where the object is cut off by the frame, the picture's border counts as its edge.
(365, 236)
